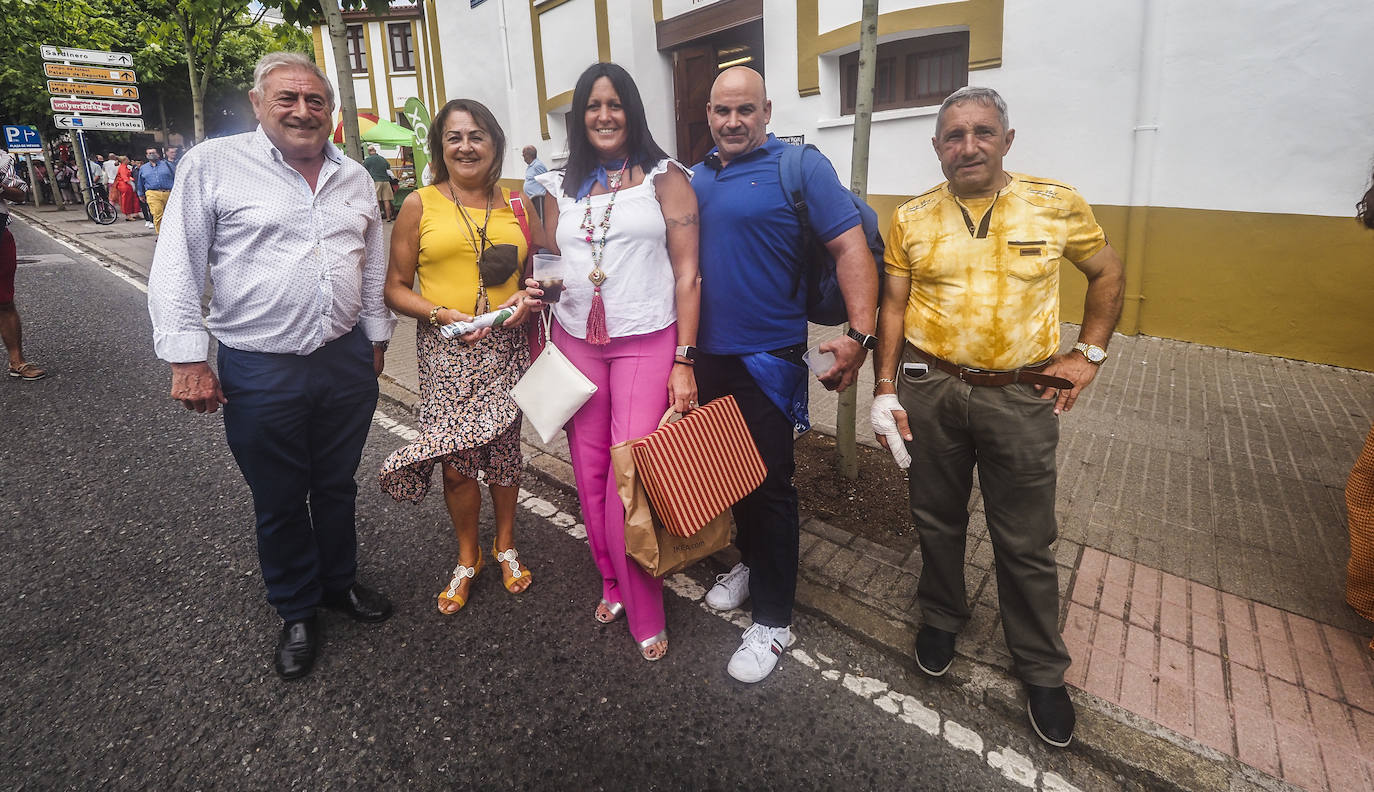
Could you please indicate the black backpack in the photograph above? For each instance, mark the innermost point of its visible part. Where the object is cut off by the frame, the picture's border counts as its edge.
(824, 301)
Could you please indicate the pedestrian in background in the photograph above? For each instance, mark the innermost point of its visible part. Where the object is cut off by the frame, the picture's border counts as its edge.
(534, 191)
(126, 196)
(154, 184)
(285, 227)
(170, 156)
(64, 176)
(380, 171)
(754, 332)
(970, 312)
(12, 188)
(111, 168)
(461, 237)
(1359, 500)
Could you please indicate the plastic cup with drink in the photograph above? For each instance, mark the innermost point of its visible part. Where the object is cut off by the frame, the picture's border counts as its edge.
(549, 271)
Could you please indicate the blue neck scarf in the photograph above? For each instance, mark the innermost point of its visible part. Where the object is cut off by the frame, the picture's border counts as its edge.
(599, 175)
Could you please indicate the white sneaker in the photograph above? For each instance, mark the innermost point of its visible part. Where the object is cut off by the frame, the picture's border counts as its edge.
(731, 589)
(147, 223)
(758, 655)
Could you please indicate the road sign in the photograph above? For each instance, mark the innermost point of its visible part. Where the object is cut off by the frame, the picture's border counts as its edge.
(95, 106)
(65, 71)
(65, 88)
(22, 139)
(98, 122)
(101, 57)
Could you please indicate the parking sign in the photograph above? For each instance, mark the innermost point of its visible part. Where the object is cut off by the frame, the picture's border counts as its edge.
(22, 139)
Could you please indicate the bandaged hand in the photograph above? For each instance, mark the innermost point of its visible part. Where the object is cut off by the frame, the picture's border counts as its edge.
(885, 427)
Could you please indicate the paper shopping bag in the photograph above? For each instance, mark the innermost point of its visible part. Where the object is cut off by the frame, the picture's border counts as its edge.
(646, 540)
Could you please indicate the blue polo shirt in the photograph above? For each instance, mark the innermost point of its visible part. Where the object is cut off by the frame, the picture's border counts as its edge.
(154, 176)
(751, 243)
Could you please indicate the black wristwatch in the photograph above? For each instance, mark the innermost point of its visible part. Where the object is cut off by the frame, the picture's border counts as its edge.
(866, 341)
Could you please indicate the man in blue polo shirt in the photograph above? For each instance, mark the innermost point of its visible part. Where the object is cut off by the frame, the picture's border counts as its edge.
(753, 334)
(154, 185)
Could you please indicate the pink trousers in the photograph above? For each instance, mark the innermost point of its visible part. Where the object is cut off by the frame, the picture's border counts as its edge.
(631, 377)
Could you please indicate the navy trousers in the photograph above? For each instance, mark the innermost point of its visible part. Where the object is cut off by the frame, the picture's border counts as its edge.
(767, 533)
(296, 425)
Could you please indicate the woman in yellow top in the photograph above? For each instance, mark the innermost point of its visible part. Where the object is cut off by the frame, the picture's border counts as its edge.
(463, 240)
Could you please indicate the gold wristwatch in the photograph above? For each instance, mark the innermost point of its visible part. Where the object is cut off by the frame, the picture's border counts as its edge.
(1094, 353)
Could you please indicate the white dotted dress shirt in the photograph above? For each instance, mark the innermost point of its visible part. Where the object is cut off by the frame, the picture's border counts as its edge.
(291, 269)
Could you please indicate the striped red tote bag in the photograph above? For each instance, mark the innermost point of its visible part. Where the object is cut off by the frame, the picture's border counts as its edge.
(698, 466)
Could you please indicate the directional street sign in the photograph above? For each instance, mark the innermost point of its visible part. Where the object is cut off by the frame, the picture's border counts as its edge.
(65, 88)
(98, 122)
(101, 57)
(95, 106)
(22, 139)
(64, 71)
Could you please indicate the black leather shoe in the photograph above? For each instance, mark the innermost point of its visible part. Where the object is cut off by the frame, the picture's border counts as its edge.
(1051, 713)
(297, 646)
(361, 603)
(934, 650)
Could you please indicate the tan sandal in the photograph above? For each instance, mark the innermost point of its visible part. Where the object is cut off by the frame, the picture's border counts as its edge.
(451, 595)
(27, 372)
(512, 570)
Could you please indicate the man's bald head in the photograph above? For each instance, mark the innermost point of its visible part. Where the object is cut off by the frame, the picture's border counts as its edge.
(738, 112)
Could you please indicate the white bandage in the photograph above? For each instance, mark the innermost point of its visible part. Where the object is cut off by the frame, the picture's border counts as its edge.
(884, 424)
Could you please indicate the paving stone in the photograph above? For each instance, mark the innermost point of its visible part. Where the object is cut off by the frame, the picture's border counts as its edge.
(827, 531)
(877, 552)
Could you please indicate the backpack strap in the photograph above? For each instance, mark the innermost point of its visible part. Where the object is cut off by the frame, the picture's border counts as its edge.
(790, 175)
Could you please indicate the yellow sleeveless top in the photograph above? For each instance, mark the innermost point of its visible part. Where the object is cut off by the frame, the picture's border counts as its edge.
(447, 269)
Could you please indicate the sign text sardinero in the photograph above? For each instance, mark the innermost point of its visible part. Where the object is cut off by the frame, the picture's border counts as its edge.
(72, 54)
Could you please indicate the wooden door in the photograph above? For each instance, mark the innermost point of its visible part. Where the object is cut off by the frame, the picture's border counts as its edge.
(694, 69)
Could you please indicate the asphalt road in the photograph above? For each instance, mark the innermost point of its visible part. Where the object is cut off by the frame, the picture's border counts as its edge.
(137, 642)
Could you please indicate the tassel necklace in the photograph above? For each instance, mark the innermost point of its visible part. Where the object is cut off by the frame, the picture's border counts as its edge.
(596, 317)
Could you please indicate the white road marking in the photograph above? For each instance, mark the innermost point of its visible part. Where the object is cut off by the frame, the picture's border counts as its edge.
(908, 709)
(114, 269)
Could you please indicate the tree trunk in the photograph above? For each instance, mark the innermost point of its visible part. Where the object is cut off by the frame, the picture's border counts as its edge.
(343, 73)
(194, 78)
(845, 415)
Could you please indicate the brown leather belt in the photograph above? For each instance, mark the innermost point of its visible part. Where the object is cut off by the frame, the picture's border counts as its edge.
(995, 379)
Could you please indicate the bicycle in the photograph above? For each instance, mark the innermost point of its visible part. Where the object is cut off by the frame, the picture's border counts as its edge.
(101, 210)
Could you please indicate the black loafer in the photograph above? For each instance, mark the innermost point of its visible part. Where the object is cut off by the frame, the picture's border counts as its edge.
(934, 650)
(297, 646)
(361, 603)
(1051, 713)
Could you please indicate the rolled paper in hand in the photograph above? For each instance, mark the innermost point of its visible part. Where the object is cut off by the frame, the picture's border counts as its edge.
(491, 319)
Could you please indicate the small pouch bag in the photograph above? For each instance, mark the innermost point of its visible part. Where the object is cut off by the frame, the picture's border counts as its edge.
(552, 389)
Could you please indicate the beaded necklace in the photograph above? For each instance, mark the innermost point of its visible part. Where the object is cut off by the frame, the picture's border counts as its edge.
(596, 317)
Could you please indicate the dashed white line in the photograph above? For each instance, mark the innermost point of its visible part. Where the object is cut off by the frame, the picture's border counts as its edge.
(1014, 766)
(114, 269)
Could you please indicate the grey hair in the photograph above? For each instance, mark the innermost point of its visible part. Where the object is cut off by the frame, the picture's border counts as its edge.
(295, 60)
(971, 93)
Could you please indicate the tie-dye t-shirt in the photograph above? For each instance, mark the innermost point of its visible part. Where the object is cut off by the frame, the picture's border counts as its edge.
(985, 273)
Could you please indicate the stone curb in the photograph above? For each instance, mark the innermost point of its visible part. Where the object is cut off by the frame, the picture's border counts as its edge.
(1107, 736)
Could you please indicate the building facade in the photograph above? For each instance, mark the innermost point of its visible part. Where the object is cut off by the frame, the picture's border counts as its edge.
(1223, 144)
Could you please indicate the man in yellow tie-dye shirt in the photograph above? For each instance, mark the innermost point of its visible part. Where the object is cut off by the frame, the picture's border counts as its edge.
(968, 354)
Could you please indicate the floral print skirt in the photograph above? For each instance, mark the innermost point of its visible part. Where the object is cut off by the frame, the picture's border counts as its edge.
(466, 412)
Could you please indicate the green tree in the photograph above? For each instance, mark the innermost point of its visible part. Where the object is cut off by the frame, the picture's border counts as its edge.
(71, 23)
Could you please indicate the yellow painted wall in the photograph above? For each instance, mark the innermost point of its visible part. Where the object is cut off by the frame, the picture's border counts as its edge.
(1295, 286)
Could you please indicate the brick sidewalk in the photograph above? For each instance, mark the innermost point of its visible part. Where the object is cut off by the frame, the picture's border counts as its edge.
(1202, 548)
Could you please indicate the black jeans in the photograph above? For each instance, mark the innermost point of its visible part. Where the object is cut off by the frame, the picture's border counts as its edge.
(766, 519)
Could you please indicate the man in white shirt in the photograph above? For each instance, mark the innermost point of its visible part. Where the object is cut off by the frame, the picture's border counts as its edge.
(289, 232)
(534, 191)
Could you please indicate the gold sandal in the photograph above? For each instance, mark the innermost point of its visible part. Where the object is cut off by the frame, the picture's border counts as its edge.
(512, 570)
(451, 595)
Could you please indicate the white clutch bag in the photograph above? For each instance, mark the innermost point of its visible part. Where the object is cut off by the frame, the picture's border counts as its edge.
(552, 389)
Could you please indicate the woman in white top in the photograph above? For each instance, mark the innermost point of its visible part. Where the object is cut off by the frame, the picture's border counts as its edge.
(624, 219)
